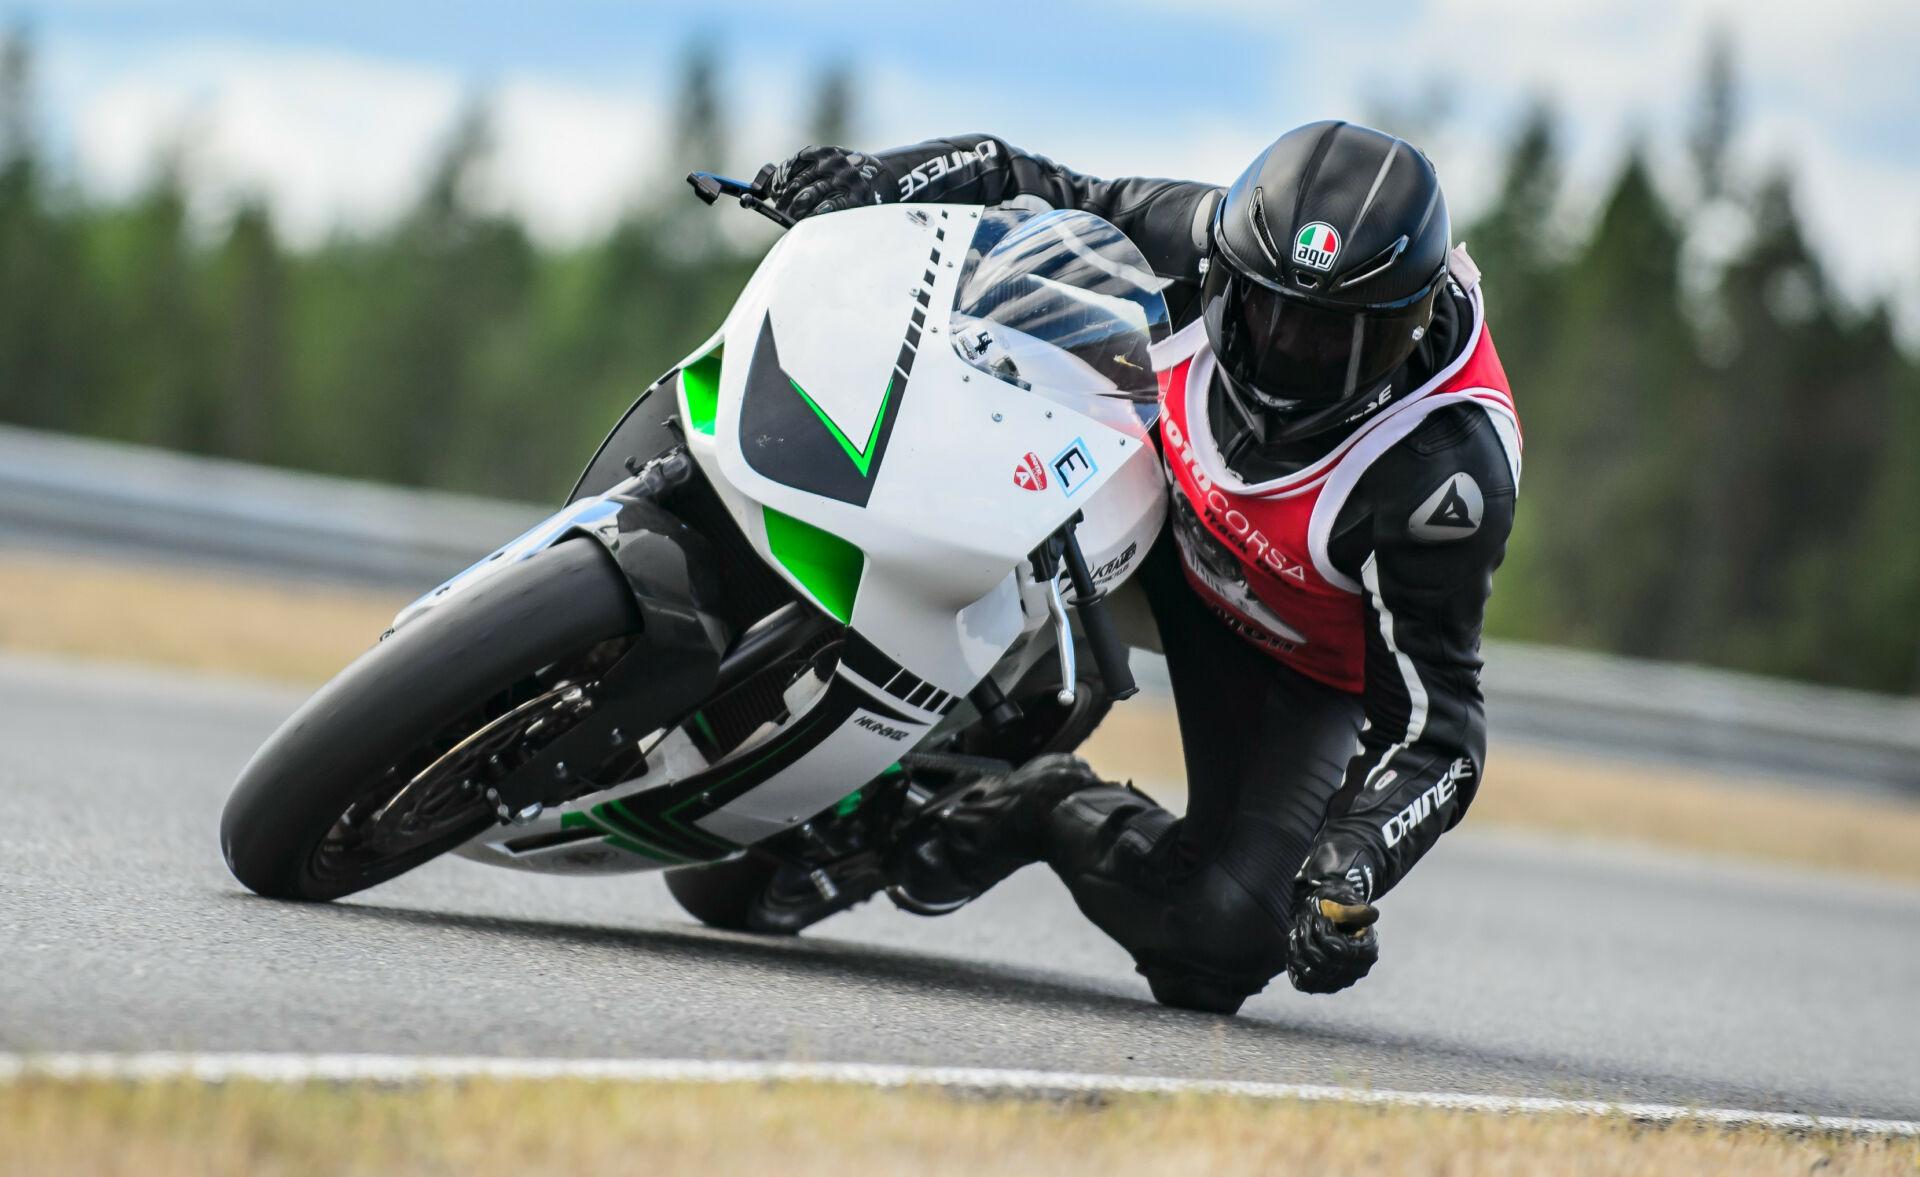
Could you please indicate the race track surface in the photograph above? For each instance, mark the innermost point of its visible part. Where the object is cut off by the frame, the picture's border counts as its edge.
(1512, 965)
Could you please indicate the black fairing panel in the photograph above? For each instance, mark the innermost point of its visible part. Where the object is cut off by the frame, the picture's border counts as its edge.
(650, 428)
(666, 560)
(749, 590)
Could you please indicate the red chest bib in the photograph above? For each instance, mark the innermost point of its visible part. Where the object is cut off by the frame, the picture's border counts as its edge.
(1257, 554)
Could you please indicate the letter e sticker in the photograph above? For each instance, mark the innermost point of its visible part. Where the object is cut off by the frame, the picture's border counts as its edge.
(1074, 467)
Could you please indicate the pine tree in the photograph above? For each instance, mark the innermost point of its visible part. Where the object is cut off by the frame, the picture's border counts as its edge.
(1716, 117)
(1799, 441)
(1606, 459)
(249, 292)
(52, 337)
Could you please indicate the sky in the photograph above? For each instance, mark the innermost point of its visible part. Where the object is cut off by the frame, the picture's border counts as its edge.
(333, 111)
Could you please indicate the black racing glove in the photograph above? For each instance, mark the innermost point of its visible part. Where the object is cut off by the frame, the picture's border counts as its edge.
(823, 180)
(1332, 943)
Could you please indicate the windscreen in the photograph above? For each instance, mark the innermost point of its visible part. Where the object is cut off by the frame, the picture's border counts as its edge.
(1062, 304)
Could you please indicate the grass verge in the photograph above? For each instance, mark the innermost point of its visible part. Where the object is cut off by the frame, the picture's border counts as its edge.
(264, 628)
(481, 1128)
(180, 617)
(1567, 793)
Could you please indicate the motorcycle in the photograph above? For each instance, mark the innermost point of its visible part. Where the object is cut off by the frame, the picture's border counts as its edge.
(853, 553)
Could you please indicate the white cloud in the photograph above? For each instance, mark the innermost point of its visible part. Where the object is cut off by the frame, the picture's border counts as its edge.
(1825, 88)
(339, 140)
(342, 142)
(331, 140)
(570, 161)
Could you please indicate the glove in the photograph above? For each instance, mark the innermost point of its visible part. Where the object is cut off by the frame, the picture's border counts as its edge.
(823, 180)
(1332, 943)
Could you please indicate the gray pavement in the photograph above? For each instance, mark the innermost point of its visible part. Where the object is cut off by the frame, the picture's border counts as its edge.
(1513, 965)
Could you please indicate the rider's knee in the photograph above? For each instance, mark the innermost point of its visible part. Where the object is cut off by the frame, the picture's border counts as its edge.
(1201, 937)
(1224, 930)
(1219, 946)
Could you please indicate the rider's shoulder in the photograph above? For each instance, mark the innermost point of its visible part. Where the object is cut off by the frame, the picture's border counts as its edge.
(1459, 437)
(1440, 479)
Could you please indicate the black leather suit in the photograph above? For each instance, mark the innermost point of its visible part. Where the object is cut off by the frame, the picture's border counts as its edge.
(1278, 764)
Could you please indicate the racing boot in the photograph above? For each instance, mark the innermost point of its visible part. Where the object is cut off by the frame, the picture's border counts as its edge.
(964, 844)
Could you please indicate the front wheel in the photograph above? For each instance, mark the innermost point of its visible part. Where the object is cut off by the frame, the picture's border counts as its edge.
(388, 765)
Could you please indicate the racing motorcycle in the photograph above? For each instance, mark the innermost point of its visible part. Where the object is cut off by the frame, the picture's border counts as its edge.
(853, 553)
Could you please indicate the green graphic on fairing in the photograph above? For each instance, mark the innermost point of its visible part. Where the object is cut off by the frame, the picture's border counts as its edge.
(827, 565)
(787, 436)
(701, 380)
(614, 837)
(861, 456)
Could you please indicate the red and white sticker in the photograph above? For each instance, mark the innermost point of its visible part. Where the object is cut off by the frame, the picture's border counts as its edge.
(1030, 474)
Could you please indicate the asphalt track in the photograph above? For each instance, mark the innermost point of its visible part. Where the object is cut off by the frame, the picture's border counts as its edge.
(1514, 966)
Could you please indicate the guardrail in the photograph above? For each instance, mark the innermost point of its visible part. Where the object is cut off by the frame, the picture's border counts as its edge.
(67, 491)
(62, 491)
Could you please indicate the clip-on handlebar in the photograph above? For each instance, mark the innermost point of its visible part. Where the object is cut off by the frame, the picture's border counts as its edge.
(710, 188)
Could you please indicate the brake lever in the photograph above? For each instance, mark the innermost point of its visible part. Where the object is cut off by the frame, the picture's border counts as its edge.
(710, 188)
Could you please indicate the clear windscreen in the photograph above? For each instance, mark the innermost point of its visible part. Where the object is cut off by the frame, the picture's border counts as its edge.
(1062, 304)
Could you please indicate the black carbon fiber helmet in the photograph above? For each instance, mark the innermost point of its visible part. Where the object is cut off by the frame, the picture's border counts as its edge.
(1327, 256)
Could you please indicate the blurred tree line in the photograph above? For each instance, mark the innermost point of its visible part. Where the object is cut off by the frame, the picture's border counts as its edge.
(1723, 458)
(1723, 454)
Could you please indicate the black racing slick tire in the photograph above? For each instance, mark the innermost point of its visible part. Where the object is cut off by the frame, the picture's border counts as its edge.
(722, 894)
(401, 710)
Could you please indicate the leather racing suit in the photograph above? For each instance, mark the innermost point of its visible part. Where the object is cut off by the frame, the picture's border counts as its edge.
(1343, 767)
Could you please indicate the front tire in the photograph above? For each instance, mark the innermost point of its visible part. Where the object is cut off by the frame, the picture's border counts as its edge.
(523, 639)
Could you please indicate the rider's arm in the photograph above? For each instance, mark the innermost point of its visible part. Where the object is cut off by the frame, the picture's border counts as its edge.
(1425, 589)
(1167, 219)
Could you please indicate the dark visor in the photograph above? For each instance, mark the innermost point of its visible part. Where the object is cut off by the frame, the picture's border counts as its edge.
(1296, 356)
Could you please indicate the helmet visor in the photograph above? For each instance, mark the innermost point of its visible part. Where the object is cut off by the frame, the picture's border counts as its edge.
(1296, 357)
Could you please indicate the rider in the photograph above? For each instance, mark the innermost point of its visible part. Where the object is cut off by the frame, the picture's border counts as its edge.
(1344, 456)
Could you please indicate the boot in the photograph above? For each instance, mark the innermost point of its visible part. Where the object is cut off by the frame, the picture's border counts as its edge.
(959, 848)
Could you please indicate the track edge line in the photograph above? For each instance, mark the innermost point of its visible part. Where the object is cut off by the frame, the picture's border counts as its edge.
(383, 1068)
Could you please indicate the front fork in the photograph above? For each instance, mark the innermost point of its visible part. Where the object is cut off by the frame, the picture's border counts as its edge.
(680, 655)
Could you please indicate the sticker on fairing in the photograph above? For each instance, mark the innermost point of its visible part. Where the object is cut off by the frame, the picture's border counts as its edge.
(1030, 474)
(1074, 468)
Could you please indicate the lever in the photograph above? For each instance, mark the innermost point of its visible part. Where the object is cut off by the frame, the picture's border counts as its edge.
(1103, 640)
(1063, 634)
(710, 188)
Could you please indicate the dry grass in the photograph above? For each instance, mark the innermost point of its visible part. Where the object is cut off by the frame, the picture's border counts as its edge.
(525, 1128)
(94, 609)
(176, 617)
(1575, 795)
(1615, 799)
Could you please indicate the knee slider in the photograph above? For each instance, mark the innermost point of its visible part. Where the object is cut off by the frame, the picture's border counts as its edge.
(1222, 930)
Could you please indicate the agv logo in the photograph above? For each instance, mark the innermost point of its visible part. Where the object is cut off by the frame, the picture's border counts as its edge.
(1316, 246)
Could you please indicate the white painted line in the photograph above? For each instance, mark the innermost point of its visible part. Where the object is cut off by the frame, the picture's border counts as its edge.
(389, 1068)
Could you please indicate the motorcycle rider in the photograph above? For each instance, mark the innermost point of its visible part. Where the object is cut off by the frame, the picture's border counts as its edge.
(1344, 458)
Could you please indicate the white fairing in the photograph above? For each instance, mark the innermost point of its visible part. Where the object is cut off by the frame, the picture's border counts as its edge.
(946, 531)
(946, 523)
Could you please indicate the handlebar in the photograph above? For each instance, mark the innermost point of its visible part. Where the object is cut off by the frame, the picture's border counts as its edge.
(710, 188)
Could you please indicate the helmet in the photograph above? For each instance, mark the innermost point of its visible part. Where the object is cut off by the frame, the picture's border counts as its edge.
(1327, 255)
